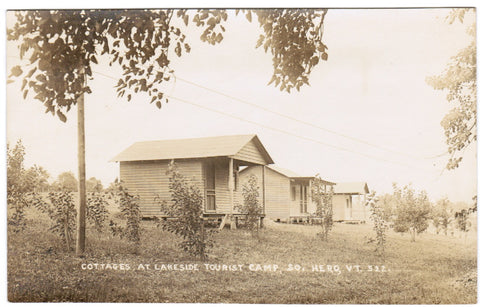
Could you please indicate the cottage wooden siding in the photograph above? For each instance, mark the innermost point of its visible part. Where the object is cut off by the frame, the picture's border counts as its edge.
(278, 191)
(277, 195)
(359, 210)
(279, 185)
(148, 180)
(339, 203)
(250, 153)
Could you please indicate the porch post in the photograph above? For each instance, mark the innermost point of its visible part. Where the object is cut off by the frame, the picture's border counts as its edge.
(263, 187)
(231, 186)
(231, 183)
(309, 195)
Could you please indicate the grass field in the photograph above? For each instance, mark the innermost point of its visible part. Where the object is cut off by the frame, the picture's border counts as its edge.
(435, 269)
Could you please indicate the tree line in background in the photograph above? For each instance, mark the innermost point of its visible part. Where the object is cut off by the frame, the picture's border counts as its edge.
(36, 178)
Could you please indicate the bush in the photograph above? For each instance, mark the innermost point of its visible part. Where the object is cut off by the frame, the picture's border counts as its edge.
(380, 225)
(251, 206)
(185, 214)
(322, 197)
(21, 186)
(462, 222)
(96, 210)
(130, 210)
(63, 215)
(442, 215)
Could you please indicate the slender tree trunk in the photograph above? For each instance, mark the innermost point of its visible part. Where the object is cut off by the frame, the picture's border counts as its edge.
(80, 246)
(66, 232)
(202, 229)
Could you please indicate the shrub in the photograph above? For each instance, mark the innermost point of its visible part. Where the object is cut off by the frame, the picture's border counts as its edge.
(322, 197)
(22, 185)
(442, 215)
(251, 206)
(62, 213)
(96, 210)
(185, 214)
(461, 219)
(130, 210)
(380, 225)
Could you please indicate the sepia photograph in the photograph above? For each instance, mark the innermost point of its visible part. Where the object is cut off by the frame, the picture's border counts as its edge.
(241, 155)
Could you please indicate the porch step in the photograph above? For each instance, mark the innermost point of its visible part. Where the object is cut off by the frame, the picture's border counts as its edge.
(228, 220)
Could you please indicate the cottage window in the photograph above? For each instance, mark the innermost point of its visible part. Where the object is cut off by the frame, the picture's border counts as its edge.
(303, 199)
(292, 192)
(210, 176)
(210, 201)
(210, 186)
(235, 180)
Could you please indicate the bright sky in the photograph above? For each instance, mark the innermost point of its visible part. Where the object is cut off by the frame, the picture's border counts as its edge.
(371, 88)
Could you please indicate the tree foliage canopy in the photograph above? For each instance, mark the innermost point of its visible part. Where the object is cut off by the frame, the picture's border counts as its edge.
(22, 185)
(460, 81)
(412, 210)
(94, 185)
(66, 181)
(62, 46)
(442, 215)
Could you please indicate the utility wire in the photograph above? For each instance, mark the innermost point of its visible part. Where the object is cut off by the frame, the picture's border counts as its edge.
(292, 134)
(304, 122)
(278, 129)
(292, 118)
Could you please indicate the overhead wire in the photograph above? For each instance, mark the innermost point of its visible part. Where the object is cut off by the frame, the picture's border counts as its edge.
(304, 122)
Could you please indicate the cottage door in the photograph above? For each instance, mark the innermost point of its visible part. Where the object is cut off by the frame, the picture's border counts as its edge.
(210, 187)
(303, 199)
(348, 211)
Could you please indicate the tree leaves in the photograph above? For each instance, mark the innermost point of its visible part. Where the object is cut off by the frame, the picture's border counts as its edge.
(63, 44)
(248, 15)
(412, 210)
(16, 71)
(460, 81)
(61, 116)
(294, 38)
(380, 225)
(129, 207)
(186, 213)
(22, 185)
(322, 196)
(212, 19)
(251, 207)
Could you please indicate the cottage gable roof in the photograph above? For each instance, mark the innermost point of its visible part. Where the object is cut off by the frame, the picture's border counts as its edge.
(283, 171)
(218, 146)
(351, 188)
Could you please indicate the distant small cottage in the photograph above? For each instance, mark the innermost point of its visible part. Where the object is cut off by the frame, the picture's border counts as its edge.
(287, 194)
(212, 163)
(349, 202)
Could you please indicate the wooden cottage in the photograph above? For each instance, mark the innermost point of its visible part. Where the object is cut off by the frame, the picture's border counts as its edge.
(287, 194)
(349, 202)
(211, 163)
